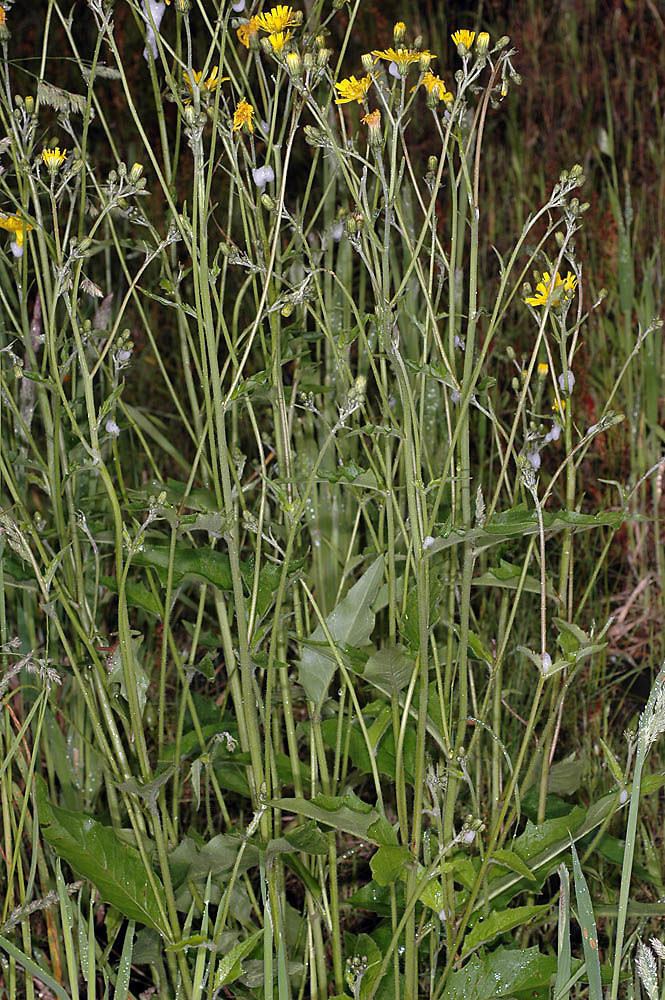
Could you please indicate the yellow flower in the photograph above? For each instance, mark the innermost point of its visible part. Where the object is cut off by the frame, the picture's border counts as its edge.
(435, 85)
(464, 39)
(353, 90)
(54, 158)
(3, 17)
(243, 116)
(403, 58)
(559, 407)
(277, 19)
(543, 369)
(278, 39)
(247, 31)
(543, 294)
(19, 227)
(210, 84)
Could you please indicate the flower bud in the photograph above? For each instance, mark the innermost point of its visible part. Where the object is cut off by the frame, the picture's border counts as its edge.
(268, 202)
(425, 61)
(30, 104)
(322, 58)
(294, 64)
(399, 32)
(482, 43)
(367, 61)
(503, 41)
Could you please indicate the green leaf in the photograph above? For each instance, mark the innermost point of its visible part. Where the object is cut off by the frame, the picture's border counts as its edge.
(350, 623)
(564, 960)
(347, 813)
(520, 521)
(388, 864)
(204, 564)
(502, 973)
(500, 922)
(511, 860)
(587, 923)
(96, 852)
(138, 595)
(389, 669)
(230, 967)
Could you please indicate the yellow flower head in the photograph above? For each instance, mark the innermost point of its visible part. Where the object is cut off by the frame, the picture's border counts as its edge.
(243, 116)
(435, 85)
(464, 39)
(277, 19)
(543, 295)
(403, 58)
(543, 369)
(278, 40)
(353, 89)
(3, 17)
(559, 407)
(247, 31)
(53, 158)
(14, 224)
(210, 84)
(19, 227)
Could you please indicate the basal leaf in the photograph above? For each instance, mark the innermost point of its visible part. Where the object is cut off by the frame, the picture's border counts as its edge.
(96, 852)
(500, 922)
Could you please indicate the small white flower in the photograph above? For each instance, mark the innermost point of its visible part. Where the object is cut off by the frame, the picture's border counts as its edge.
(554, 434)
(428, 541)
(393, 70)
(112, 428)
(455, 396)
(546, 663)
(239, 6)
(337, 231)
(571, 382)
(534, 459)
(124, 355)
(469, 836)
(459, 343)
(16, 249)
(155, 8)
(262, 176)
(623, 796)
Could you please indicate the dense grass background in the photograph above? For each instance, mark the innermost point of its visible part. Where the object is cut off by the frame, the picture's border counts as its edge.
(172, 575)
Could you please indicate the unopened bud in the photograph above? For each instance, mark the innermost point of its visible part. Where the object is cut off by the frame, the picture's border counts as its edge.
(268, 202)
(367, 61)
(503, 41)
(287, 310)
(294, 63)
(482, 43)
(425, 61)
(322, 58)
(399, 32)
(30, 104)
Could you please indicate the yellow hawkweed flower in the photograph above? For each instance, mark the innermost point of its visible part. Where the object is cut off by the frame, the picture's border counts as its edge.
(19, 227)
(278, 39)
(277, 19)
(435, 85)
(3, 17)
(54, 158)
(247, 31)
(543, 369)
(464, 39)
(210, 84)
(243, 116)
(559, 407)
(543, 294)
(403, 58)
(353, 89)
